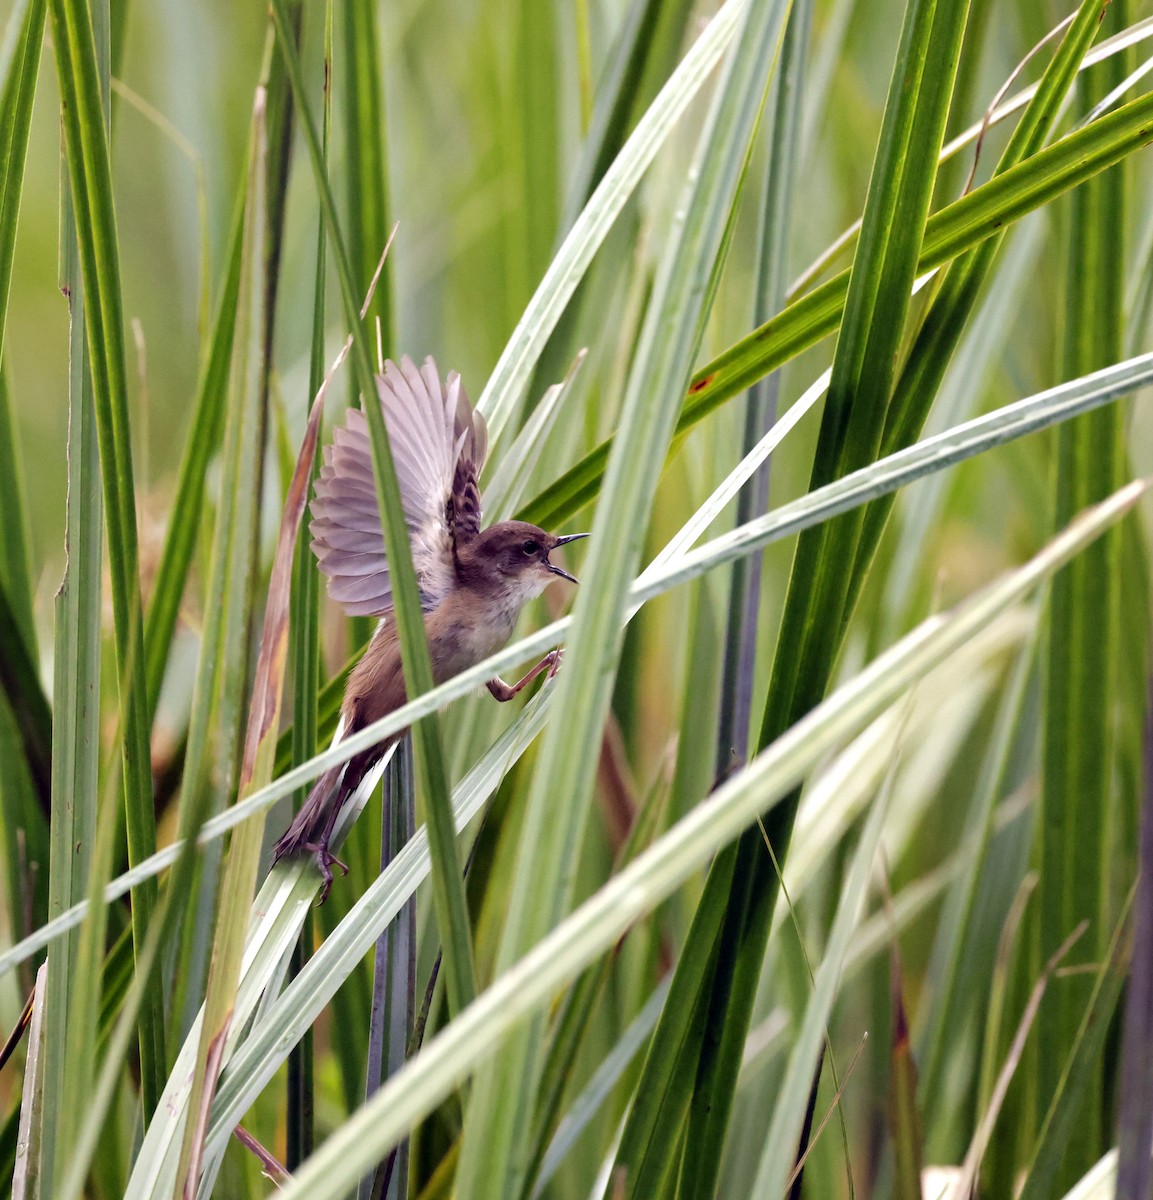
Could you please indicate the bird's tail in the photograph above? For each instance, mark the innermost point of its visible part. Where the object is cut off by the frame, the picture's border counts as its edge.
(312, 826)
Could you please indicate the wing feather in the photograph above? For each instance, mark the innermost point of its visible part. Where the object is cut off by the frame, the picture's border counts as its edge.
(438, 448)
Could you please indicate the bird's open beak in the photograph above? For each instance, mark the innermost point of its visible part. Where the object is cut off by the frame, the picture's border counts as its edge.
(563, 541)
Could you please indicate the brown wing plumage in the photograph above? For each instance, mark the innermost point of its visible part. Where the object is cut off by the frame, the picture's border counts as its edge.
(438, 447)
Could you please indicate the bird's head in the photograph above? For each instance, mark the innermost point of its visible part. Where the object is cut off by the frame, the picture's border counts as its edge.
(513, 557)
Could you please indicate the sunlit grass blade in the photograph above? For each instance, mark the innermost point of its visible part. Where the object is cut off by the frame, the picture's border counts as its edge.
(90, 173)
(261, 1054)
(477, 1034)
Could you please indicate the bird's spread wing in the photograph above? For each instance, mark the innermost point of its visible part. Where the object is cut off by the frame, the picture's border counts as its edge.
(438, 447)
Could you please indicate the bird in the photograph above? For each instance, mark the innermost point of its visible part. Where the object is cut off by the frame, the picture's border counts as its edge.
(473, 582)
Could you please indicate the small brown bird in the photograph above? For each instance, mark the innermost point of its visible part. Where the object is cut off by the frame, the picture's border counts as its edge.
(473, 582)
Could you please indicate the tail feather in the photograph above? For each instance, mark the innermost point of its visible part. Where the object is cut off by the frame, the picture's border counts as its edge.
(312, 827)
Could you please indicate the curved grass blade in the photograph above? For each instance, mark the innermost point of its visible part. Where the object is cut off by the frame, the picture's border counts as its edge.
(477, 1034)
(281, 904)
(695, 1075)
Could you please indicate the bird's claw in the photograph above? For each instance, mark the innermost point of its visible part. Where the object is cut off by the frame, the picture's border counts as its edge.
(554, 657)
(325, 860)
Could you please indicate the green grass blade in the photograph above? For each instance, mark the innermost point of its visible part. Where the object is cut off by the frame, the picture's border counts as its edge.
(90, 173)
(25, 721)
(1085, 858)
(72, 995)
(784, 1132)
(511, 373)
(494, 1154)
(1080, 1062)
(472, 1039)
(282, 909)
(223, 680)
(188, 504)
(1135, 1098)
(304, 653)
(19, 68)
(360, 73)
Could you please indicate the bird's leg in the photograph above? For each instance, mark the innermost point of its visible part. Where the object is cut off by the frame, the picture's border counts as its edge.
(324, 858)
(503, 691)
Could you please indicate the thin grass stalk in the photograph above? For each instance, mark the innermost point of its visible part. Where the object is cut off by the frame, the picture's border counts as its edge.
(26, 1173)
(394, 976)
(958, 227)
(448, 887)
(472, 1039)
(304, 652)
(90, 173)
(782, 133)
(361, 75)
(497, 1140)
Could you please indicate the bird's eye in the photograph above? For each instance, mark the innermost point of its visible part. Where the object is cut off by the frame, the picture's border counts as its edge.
(530, 547)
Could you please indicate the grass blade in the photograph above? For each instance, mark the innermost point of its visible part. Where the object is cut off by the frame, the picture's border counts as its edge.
(90, 173)
(1084, 858)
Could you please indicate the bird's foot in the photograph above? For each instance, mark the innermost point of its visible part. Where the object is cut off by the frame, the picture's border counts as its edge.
(553, 658)
(325, 860)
